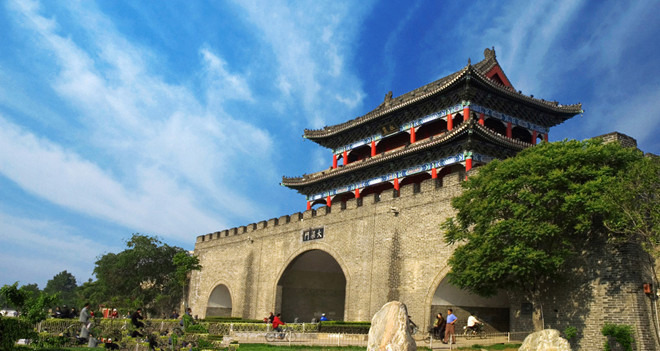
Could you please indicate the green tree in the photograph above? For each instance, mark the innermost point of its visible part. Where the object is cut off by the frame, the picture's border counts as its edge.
(518, 220)
(636, 204)
(32, 306)
(63, 284)
(140, 276)
(185, 264)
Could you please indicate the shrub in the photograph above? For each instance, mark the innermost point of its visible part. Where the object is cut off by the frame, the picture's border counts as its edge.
(196, 328)
(570, 332)
(12, 329)
(623, 334)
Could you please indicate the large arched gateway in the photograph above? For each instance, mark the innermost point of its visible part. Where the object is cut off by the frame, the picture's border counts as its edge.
(313, 283)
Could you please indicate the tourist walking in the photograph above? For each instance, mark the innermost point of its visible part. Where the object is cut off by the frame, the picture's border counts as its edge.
(86, 324)
(450, 333)
(439, 327)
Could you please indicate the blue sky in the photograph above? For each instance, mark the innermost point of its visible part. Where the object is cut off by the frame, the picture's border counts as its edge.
(179, 118)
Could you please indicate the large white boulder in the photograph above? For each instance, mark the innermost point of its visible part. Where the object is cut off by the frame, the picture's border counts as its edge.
(545, 340)
(389, 329)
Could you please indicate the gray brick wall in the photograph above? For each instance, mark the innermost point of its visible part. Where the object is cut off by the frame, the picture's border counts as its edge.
(392, 248)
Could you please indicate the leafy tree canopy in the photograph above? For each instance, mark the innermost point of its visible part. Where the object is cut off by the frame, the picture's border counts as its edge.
(143, 275)
(185, 264)
(519, 219)
(64, 284)
(32, 305)
(636, 200)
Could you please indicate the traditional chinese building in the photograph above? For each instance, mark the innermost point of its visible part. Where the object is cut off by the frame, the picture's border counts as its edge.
(458, 122)
(371, 229)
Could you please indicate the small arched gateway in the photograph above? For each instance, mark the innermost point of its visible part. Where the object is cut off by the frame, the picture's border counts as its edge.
(219, 304)
(313, 283)
(493, 311)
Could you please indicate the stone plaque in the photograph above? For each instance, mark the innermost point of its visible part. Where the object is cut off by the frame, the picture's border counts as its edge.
(313, 234)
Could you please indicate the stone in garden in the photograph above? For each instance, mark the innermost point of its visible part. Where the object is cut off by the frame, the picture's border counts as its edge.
(389, 329)
(545, 340)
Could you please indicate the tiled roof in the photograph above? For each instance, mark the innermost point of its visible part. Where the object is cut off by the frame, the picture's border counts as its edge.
(483, 132)
(477, 70)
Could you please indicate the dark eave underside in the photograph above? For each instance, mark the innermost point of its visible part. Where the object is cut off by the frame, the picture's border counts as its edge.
(472, 129)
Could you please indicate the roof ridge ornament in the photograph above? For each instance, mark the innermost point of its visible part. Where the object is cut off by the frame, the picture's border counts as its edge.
(387, 101)
(489, 53)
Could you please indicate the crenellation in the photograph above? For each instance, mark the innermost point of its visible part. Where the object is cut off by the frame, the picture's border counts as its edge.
(387, 195)
(309, 214)
(372, 199)
(407, 190)
(453, 179)
(428, 185)
(285, 220)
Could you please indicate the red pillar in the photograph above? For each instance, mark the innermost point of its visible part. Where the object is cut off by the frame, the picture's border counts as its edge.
(468, 166)
(309, 205)
(328, 201)
(345, 156)
(334, 161)
(412, 135)
(466, 113)
(373, 148)
(357, 193)
(434, 173)
(481, 118)
(450, 122)
(545, 137)
(509, 133)
(396, 183)
(534, 137)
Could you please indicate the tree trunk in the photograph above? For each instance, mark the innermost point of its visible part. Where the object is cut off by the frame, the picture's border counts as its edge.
(537, 314)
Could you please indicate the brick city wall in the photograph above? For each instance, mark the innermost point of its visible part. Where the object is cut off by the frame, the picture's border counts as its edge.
(392, 248)
(388, 248)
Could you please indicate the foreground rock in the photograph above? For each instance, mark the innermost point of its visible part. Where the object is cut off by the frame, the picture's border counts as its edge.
(545, 340)
(389, 329)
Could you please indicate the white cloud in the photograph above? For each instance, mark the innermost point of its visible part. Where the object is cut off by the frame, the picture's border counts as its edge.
(309, 42)
(35, 250)
(64, 178)
(159, 151)
(528, 34)
(222, 84)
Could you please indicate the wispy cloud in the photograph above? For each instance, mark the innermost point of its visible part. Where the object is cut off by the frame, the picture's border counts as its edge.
(52, 247)
(310, 43)
(158, 149)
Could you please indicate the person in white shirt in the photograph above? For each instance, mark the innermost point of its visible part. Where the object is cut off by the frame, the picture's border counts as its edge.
(473, 322)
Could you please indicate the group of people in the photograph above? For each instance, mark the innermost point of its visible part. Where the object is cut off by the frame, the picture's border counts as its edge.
(64, 312)
(445, 329)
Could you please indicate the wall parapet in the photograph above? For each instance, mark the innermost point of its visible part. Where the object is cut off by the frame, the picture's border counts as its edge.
(442, 188)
